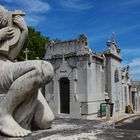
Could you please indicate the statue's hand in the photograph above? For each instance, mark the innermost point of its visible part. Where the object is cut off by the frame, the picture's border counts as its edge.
(6, 33)
(20, 22)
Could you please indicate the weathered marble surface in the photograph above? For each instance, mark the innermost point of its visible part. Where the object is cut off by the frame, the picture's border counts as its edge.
(23, 106)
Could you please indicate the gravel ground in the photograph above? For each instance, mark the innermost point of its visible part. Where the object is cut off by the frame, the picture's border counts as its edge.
(76, 129)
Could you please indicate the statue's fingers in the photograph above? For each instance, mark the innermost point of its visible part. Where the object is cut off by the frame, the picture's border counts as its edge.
(10, 28)
(10, 32)
(15, 19)
(16, 22)
(10, 35)
(17, 16)
(6, 29)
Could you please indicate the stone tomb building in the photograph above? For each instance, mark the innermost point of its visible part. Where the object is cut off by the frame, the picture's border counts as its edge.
(126, 88)
(135, 96)
(83, 79)
(130, 91)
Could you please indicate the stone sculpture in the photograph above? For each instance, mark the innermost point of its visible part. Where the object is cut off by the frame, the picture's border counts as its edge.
(22, 105)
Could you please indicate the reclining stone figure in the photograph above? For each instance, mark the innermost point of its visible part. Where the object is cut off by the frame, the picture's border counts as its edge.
(22, 105)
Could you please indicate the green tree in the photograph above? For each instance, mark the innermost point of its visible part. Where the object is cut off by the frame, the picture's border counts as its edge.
(35, 44)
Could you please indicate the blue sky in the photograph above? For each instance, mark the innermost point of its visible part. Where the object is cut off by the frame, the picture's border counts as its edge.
(66, 19)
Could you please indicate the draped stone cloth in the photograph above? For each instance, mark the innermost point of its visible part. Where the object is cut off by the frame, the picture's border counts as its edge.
(10, 72)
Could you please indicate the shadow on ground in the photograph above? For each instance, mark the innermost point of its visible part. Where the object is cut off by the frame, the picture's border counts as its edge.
(76, 129)
(131, 124)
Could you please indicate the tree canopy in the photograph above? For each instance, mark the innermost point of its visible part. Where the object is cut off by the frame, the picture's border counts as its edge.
(35, 44)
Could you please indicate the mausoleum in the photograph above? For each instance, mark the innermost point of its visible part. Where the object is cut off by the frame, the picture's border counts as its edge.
(83, 78)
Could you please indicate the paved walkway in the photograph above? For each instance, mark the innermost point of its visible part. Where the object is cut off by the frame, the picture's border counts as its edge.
(119, 117)
(77, 129)
(129, 124)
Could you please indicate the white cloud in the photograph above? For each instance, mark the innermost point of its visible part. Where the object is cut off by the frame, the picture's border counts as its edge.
(122, 30)
(136, 71)
(76, 4)
(36, 6)
(34, 9)
(135, 62)
(130, 2)
(133, 52)
(33, 20)
(134, 68)
(7, 1)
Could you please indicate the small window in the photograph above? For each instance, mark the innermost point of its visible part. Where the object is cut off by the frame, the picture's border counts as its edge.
(116, 76)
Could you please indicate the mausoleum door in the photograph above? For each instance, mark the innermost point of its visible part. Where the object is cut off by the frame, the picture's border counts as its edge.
(64, 84)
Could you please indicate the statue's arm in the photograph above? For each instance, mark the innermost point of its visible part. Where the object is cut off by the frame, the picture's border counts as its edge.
(13, 52)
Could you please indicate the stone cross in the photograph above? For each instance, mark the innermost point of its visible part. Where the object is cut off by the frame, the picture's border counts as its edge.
(26, 53)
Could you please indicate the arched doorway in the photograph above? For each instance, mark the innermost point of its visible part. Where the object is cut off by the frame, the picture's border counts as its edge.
(64, 84)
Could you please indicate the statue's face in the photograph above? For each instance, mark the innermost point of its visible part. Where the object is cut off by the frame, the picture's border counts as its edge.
(3, 17)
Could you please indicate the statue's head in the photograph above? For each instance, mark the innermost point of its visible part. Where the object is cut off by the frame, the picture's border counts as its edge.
(3, 17)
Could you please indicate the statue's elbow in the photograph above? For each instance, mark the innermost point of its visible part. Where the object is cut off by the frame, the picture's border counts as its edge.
(25, 31)
(11, 57)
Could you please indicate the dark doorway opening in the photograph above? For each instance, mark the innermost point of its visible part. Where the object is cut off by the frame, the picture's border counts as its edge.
(64, 84)
(133, 101)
